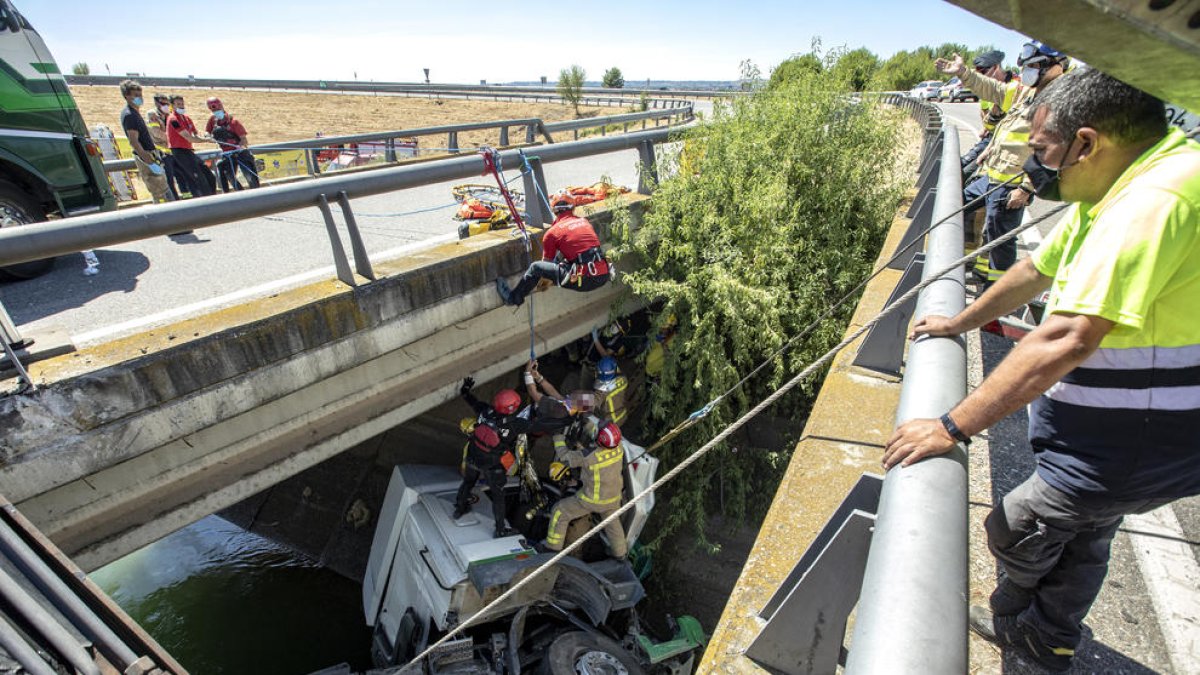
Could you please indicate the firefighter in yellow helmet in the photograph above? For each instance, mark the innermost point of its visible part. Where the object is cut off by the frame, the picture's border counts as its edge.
(601, 462)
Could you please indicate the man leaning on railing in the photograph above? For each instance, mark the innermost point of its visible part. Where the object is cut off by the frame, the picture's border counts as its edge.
(1112, 375)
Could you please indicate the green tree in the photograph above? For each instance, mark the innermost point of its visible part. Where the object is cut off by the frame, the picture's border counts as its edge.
(797, 67)
(855, 68)
(781, 210)
(570, 85)
(81, 68)
(613, 78)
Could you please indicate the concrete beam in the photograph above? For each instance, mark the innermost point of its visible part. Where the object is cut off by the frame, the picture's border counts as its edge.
(129, 441)
(1151, 44)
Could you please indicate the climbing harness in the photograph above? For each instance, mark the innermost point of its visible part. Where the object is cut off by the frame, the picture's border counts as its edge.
(733, 427)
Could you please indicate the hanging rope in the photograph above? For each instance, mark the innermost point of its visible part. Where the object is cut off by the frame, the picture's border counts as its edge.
(493, 164)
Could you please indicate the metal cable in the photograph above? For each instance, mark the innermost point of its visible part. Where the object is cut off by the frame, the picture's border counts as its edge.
(731, 428)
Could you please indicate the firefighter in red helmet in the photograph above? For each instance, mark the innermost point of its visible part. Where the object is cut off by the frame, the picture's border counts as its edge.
(601, 460)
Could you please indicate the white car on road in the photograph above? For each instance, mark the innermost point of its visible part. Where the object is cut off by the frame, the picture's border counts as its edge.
(926, 90)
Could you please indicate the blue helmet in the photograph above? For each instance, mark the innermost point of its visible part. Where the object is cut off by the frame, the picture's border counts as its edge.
(1035, 52)
(606, 370)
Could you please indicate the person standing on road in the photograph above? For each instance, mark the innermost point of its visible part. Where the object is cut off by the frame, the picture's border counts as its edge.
(230, 135)
(1112, 375)
(157, 121)
(181, 134)
(582, 266)
(1000, 171)
(145, 156)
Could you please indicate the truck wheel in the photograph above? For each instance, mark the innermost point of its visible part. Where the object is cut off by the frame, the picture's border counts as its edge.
(579, 653)
(18, 208)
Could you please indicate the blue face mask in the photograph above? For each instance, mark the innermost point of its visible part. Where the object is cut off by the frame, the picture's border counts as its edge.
(137, 100)
(219, 114)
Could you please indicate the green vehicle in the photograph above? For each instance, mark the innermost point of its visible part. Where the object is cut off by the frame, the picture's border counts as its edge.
(48, 165)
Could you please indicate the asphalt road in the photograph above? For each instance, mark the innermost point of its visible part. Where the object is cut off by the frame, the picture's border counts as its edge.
(1147, 617)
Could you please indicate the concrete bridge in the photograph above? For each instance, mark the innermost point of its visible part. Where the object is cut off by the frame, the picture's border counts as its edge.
(135, 438)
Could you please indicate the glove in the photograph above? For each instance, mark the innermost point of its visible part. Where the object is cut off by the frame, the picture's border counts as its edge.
(155, 169)
(467, 385)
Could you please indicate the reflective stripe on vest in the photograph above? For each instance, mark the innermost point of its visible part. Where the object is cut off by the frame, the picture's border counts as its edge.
(607, 458)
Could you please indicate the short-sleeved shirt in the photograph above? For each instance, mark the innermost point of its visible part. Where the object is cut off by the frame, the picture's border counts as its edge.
(131, 120)
(1125, 424)
(177, 123)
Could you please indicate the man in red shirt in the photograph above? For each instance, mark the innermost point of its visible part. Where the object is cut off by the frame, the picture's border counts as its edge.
(230, 136)
(181, 133)
(582, 266)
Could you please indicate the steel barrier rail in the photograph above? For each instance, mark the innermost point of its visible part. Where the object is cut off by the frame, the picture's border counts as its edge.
(912, 613)
(69, 235)
(400, 87)
(532, 124)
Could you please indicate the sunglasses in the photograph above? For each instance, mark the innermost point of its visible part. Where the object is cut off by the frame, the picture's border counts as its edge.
(981, 70)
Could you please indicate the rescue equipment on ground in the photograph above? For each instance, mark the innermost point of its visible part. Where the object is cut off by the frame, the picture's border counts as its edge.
(482, 208)
(596, 192)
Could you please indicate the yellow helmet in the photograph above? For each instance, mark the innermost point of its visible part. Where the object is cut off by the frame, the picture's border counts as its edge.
(558, 471)
(466, 425)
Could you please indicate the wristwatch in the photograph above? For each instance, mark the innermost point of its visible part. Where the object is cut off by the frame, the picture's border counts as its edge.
(953, 430)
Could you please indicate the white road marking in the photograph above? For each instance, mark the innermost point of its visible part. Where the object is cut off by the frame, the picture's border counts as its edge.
(167, 316)
(1173, 579)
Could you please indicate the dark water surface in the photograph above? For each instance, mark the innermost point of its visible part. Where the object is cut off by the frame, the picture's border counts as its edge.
(224, 601)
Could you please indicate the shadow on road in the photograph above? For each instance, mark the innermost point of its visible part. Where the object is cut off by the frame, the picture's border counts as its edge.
(66, 287)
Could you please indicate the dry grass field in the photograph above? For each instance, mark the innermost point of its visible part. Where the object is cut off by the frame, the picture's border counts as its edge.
(272, 116)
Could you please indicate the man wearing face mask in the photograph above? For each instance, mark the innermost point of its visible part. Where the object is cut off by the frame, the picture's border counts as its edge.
(1111, 374)
(231, 137)
(181, 133)
(145, 156)
(156, 119)
(999, 178)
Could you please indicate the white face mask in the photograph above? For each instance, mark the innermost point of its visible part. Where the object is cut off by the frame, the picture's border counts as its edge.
(1030, 76)
(181, 111)
(165, 107)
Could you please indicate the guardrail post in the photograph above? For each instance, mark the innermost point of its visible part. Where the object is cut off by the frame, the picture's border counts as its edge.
(537, 210)
(389, 150)
(310, 159)
(503, 137)
(916, 574)
(339, 254)
(452, 142)
(362, 263)
(530, 133)
(648, 171)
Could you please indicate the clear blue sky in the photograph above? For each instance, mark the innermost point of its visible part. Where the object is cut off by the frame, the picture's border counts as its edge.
(466, 41)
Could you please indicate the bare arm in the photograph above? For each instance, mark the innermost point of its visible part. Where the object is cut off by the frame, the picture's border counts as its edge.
(1052, 350)
(1019, 285)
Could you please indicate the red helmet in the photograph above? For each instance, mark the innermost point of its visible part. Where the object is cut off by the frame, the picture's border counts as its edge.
(609, 435)
(561, 202)
(214, 103)
(506, 401)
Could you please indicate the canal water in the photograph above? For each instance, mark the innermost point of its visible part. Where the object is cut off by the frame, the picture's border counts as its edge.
(224, 601)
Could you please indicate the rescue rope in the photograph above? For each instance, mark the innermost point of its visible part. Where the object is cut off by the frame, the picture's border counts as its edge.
(730, 429)
(708, 407)
(493, 163)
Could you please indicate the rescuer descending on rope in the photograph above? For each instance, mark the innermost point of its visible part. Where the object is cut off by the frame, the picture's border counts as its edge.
(602, 462)
(582, 267)
(490, 448)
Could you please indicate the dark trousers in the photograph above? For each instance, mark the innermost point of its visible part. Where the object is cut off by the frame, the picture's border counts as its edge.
(556, 272)
(973, 153)
(1000, 220)
(176, 182)
(496, 479)
(1056, 547)
(228, 167)
(196, 174)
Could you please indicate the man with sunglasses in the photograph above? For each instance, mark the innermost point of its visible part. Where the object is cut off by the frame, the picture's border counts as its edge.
(990, 64)
(1000, 184)
(1112, 374)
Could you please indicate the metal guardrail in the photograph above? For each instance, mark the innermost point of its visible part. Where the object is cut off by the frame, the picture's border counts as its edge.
(482, 90)
(533, 126)
(43, 240)
(912, 615)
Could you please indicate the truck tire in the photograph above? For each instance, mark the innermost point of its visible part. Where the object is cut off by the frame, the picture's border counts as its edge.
(579, 653)
(18, 208)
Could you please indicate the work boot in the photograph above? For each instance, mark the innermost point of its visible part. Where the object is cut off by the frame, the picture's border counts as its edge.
(461, 510)
(1009, 599)
(502, 532)
(505, 292)
(1007, 631)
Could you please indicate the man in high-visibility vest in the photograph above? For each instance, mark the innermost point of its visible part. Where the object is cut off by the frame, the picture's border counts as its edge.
(601, 462)
(610, 387)
(1000, 183)
(990, 64)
